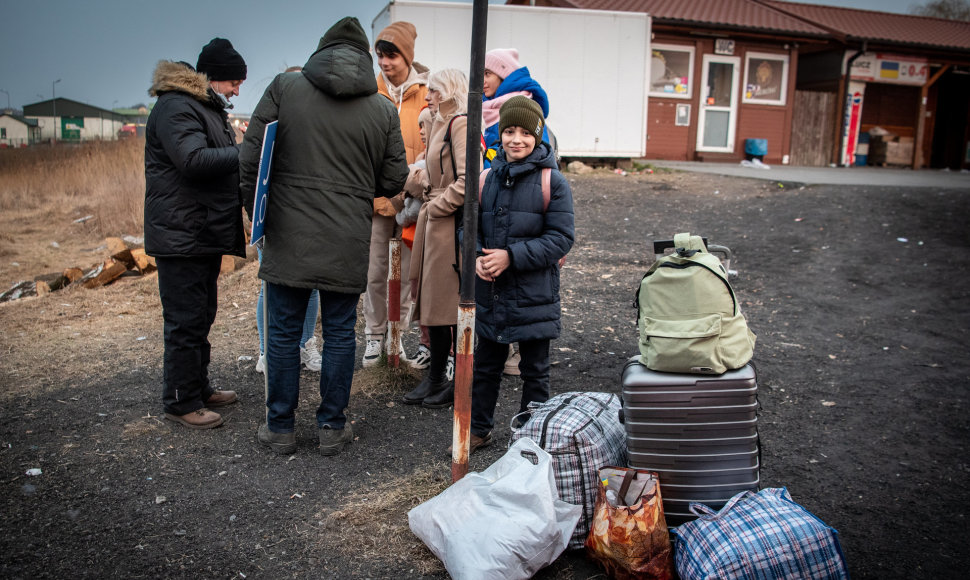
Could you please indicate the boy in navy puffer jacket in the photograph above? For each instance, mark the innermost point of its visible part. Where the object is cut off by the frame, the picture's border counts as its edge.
(522, 236)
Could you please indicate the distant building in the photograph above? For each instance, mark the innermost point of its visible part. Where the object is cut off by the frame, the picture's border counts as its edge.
(74, 121)
(16, 131)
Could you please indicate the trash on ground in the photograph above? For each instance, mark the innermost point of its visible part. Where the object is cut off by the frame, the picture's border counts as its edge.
(755, 163)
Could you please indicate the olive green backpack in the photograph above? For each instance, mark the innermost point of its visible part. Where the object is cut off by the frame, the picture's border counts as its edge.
(689, 318)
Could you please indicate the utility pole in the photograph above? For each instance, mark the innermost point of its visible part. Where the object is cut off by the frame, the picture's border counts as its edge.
(54, 110)
(465, 339)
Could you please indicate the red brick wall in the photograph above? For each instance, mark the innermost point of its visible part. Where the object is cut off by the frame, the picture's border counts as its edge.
(664, 139)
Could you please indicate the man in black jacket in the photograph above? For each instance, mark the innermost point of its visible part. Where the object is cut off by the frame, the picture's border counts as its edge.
(337, 146)
(192, 217)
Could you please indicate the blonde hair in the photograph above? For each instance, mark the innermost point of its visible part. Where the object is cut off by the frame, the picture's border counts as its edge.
(424, 117)
(453, 86)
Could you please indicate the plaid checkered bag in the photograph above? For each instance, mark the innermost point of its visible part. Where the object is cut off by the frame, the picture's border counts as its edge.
(582, 432)
(762, 535)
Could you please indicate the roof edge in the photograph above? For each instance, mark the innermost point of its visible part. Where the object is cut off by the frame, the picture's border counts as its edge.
(836, 34)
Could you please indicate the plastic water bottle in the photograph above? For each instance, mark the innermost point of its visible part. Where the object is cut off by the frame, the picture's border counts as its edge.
(611, 497)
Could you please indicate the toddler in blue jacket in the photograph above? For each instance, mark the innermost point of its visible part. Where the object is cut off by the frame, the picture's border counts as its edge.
(523, 233)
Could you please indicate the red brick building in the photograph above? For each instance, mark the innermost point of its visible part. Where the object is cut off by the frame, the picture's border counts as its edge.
(726, 71)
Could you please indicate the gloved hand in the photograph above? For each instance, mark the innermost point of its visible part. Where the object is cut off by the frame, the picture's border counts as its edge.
(409, 214)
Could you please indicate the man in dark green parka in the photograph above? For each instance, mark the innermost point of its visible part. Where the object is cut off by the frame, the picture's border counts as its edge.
(338, 145)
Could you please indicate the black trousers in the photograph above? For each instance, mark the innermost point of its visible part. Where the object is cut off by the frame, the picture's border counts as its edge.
(441, 339)
(490, 362)
(188, 289)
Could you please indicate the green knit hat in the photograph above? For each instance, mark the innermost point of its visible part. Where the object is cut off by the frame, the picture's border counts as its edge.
(521, 111)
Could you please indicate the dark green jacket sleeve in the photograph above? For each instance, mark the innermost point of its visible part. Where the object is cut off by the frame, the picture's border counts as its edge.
(267, 111)
(394, 168)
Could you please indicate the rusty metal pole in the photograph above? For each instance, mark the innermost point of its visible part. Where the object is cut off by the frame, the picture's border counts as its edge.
(394, 304)
(465, 339)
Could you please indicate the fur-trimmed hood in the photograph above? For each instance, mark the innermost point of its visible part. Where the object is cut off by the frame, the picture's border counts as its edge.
(178, 76)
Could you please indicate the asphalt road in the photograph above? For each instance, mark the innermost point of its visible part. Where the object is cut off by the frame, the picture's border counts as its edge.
(876, 176)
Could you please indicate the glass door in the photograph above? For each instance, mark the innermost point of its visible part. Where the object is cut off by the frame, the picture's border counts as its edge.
(718, 103)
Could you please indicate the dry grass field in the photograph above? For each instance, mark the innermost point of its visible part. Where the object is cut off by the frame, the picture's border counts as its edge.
(57, 204)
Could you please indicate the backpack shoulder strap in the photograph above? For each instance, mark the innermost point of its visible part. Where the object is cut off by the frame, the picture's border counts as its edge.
(447, 139)
(546, 187)
(450, 122)
(546, 176)
(481, 183)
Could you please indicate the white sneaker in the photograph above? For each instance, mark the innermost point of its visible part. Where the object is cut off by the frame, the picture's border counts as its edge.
(373, 352)
(450, 369)
(261, 364)
(422, 359)
(310, 356)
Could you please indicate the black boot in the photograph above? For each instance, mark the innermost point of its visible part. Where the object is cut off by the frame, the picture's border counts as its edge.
(418, 394)
(443, 395)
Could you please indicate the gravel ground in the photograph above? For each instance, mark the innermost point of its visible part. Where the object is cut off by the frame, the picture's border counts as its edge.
(858, 295)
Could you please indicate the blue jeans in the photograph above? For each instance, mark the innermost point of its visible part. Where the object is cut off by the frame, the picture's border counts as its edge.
(309, 323)
(287, 312)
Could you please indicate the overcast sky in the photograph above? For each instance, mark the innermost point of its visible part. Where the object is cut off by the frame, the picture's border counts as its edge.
(104, 51)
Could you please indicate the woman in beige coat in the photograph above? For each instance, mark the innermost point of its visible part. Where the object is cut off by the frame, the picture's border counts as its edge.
(434, 257)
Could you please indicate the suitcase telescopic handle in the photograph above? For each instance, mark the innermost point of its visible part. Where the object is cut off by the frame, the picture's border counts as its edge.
(725, 255)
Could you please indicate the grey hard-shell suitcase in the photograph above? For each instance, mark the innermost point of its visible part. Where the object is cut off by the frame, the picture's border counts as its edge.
(698, 432)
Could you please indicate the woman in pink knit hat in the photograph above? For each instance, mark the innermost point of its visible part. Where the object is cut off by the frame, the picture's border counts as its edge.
(504, 79)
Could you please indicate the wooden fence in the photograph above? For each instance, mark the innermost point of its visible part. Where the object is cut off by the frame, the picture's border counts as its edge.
(813, 128)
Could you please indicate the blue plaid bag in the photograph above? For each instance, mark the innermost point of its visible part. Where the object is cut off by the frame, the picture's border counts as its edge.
(762, 535)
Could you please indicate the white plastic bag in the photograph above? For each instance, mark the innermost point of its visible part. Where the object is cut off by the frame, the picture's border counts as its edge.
(504, 523)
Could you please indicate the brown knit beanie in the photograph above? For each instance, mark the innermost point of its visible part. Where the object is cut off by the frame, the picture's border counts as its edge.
(402, 35)
(521, 111)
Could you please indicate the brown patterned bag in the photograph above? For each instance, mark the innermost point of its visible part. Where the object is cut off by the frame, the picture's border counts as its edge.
(629, 534)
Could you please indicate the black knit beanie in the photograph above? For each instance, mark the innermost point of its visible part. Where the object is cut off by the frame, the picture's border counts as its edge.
(521, 111)
(220, 61)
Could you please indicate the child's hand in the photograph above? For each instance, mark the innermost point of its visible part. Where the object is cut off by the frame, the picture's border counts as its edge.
(493, 263)
(480, 270)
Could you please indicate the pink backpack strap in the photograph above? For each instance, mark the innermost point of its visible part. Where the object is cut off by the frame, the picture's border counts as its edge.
(481, 183)
(546, 177)
(546, 187)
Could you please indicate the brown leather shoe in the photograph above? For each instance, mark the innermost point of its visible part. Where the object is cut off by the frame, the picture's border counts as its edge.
(475, 443)
(221, 399)
(200, 419)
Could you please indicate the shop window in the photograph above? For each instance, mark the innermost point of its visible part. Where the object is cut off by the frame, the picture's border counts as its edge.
(765, 78)
(671, 71)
